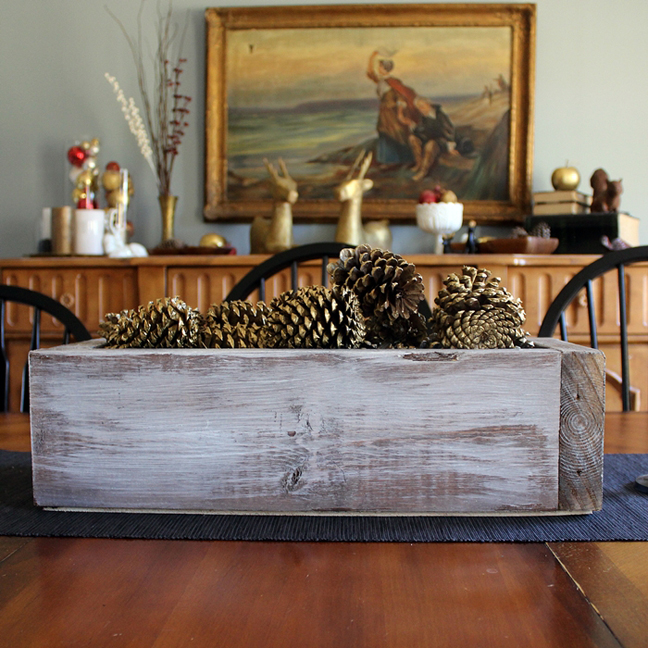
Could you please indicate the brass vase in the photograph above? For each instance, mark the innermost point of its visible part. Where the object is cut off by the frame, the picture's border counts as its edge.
(168, 206)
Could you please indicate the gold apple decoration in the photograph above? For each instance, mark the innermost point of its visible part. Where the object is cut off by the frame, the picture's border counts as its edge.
(212, 240)
(565, 178)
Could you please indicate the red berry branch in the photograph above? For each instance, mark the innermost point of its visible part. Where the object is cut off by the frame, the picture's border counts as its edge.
(165, 108)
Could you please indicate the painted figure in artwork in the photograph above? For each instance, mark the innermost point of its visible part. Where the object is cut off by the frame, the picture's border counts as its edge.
(410, 127)
(395, 112)
(432, 133)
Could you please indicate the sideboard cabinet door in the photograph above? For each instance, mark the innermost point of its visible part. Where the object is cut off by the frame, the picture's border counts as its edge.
(89, 293)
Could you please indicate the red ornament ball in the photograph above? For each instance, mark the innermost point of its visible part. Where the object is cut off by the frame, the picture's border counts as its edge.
(112, 166)
(76, 156)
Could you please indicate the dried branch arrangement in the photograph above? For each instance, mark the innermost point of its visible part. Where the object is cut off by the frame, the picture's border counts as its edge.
(373, 303)
(165, 107)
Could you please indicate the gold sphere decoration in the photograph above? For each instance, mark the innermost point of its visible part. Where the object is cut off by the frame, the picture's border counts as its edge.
(212, 240)
(110, 180)
(85, 177)
(565, 178)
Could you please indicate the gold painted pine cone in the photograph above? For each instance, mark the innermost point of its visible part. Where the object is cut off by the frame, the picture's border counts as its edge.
(314, 317)
(481, 329)
(387, 286)
(234, 325)
(164, 323)
(474, 312)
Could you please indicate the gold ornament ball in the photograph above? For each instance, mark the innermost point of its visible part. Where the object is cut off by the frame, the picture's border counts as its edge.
(85, 145)
(85, 177)
(565, 178)
(212, 240)
(110, 180)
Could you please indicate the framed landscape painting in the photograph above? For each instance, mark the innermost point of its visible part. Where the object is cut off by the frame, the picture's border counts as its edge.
(439, 94)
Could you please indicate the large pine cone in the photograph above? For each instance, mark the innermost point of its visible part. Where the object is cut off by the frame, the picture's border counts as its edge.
(387, 286)
(234, 325)
(164, 323)
(315, 317)
(475, 312)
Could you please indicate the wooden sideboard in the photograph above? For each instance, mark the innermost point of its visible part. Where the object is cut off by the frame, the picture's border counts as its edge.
(93, 286)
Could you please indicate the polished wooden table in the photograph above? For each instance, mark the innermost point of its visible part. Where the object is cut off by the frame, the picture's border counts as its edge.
(138, 593)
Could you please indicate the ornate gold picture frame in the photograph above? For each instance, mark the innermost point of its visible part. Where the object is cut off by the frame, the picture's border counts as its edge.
(441, 94)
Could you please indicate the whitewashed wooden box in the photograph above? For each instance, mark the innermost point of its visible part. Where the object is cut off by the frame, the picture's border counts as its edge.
(319, 432)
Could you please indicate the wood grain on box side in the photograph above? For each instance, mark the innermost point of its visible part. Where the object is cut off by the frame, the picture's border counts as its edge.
(407, 431)
(582, 420)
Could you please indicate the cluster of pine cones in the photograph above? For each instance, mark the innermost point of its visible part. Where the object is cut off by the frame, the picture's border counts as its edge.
(372, 303)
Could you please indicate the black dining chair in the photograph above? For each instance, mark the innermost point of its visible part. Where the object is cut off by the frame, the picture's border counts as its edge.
(73, 327)
(583, 281)
(256, 278)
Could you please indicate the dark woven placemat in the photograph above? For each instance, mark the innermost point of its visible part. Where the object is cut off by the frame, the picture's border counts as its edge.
(624, 517)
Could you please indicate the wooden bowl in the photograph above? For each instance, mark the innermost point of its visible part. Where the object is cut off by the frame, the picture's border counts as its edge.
(520, 245)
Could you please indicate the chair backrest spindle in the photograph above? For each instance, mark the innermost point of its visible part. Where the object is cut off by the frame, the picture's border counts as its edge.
(563, 327)
(294, 279)
(325, 277)
(625, 364)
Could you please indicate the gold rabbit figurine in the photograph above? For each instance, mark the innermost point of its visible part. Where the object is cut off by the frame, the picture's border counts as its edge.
(275, 234)
(350, 228)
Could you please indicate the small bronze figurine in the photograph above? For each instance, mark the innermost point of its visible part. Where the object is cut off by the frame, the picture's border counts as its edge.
(606, 193)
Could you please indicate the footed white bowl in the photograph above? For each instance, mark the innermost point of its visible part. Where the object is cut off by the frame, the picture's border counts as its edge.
(440, 219)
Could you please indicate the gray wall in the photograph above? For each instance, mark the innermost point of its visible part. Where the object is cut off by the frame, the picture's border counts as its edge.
(590, 98)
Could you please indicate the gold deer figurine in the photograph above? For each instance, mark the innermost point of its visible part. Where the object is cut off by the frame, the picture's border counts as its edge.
(275, 234)
(350, 228)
